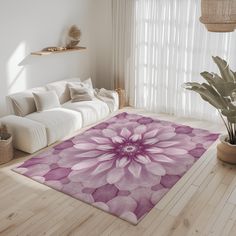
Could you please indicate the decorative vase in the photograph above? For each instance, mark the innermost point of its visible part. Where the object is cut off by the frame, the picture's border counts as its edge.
(226, 152)
(219, 15)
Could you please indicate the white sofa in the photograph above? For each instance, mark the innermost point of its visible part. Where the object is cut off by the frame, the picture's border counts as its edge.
(34, 130)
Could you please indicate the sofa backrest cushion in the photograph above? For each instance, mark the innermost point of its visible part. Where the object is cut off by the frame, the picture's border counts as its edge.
(88, 82)
(46, 100)
(61, 89)
(23, 102)
(84, 84)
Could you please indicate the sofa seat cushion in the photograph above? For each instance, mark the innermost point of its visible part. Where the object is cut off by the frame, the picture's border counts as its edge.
(59, 122)
(28, 135)
(91, 111)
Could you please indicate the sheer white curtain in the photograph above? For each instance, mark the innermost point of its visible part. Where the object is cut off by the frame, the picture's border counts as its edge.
(124, 25)
(170, 46)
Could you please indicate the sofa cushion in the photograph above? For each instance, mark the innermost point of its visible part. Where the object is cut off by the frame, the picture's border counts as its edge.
(79, 94)
(46, 100)
(59, 122)
(23, 102)
(28, 135)
(91, 111)
(61, 89)
(86, 83)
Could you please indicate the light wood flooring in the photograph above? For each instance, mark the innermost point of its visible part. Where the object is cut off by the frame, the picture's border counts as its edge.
(203, 202)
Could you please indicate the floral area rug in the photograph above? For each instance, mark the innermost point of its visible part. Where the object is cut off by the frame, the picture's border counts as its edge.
(124, 165)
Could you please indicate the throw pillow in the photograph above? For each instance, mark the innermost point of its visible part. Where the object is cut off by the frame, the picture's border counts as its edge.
(46, 100)
(22, 103)
(86, 86)
(79, 94)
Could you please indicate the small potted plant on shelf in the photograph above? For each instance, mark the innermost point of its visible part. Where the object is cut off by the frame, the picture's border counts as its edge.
(220, 92)
(6, 148)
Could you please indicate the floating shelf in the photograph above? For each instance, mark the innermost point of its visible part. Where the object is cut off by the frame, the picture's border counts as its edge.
(46, 53)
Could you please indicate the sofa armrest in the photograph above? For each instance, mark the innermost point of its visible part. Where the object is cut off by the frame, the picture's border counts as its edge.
(28, 135)
(110, 97)
(115, 97)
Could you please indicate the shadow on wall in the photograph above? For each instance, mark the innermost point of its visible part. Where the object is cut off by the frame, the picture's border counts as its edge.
(16, 75)
(13, 77)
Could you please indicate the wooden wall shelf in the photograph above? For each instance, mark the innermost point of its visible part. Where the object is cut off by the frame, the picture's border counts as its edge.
(46, 53)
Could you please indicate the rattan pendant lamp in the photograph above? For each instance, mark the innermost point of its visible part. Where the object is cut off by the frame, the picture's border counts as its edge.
(219, 15)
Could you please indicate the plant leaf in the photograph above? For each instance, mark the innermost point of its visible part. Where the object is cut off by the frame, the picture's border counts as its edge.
(211, 78)
(225, 71)
(230, 114)
(226, 89)
(208, 94)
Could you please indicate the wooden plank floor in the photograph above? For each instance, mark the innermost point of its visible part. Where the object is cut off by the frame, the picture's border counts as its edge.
(203, 202)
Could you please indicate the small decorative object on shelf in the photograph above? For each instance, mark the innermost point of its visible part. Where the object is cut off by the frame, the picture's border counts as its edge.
(74, 35)
(71, 44)
(6, 147)
(122, 97)
(53, 49)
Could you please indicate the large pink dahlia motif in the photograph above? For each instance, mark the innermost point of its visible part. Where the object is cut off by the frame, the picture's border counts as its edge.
(124, 165)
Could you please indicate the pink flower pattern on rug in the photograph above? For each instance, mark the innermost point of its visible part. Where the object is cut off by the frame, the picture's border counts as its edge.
(124, 165)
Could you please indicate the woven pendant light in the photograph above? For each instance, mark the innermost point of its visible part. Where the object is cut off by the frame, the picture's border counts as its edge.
(219, 15)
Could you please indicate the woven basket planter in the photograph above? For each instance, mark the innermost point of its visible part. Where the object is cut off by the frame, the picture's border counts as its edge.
(219, 15)
(6, 150)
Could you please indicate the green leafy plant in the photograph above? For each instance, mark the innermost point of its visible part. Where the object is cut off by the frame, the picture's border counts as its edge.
(220, 92)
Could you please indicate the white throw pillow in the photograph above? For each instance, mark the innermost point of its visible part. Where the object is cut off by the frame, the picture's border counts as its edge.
(61, 89)
(46, 100)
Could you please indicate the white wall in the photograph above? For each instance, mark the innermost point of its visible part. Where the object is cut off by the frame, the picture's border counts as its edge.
(102, 29)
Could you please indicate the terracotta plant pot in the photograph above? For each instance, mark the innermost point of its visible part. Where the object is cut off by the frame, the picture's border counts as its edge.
(226, 152)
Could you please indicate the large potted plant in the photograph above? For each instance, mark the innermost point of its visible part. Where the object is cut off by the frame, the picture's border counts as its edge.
(220, 92)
